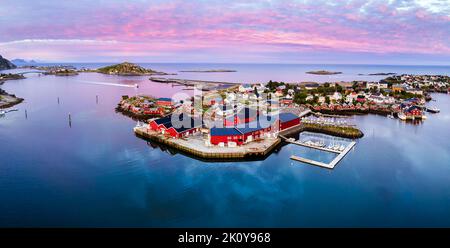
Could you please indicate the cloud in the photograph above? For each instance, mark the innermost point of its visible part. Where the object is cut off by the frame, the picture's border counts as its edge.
(215, 27)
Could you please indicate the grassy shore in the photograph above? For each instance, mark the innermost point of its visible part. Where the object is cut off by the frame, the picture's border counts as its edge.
(339, 131)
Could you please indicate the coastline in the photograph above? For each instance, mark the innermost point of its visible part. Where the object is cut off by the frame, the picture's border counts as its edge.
(9, 100)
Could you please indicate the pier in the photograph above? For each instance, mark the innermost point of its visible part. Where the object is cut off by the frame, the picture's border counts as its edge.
(296, 142)
(195, 146)
(332, 164)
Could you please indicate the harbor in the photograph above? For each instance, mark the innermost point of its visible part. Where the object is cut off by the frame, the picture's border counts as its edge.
(195, 146)
(335, 146)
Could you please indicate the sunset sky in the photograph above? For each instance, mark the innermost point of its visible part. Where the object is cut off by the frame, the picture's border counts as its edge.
(345, 32)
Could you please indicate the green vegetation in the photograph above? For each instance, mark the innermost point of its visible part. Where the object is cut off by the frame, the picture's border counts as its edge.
(340, 131)
(126, 69)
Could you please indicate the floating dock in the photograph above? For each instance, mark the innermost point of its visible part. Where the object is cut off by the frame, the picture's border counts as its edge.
(312, 146)
(332, 164)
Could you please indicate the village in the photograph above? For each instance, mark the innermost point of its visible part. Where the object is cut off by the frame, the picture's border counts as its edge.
(252, 119)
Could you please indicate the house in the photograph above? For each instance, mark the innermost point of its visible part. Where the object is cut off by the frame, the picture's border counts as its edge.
(414, 111)
(351, 97)
(176, 126)
(164, 101)
(286, 101)
(399, 87)
(361, 98)
(154, 111)
(336, 96)
(377, 85)
(245, 88)
(415, 91)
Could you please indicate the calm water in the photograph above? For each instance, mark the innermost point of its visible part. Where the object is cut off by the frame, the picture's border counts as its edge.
(97, 173)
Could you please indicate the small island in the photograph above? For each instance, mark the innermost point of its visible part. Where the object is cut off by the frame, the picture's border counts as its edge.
(322, 72)
(127, 69)
(8, 100)
(206, 71)
(382, 74)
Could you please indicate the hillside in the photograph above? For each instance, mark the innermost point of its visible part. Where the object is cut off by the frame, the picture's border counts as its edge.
(5, 64)
(128, 69)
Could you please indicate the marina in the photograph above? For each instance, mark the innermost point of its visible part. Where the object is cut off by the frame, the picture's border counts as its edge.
(333, 163)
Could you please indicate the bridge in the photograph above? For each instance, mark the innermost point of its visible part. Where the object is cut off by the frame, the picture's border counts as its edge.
(29, 72)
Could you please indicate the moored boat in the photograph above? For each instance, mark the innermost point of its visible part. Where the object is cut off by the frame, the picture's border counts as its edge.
(433, 110)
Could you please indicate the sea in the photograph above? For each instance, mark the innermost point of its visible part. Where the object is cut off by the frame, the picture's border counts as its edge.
(92, 171)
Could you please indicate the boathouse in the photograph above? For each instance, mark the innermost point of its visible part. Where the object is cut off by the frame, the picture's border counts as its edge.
(262, 127)
(240, 134)
(288, 120)
(414, 111)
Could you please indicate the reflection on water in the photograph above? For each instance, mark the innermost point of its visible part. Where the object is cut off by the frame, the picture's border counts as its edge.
(97, 173)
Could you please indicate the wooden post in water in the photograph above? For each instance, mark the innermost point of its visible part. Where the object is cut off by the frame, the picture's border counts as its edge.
(58, 99)
(26, 114)
(70, 120)
(96, 99)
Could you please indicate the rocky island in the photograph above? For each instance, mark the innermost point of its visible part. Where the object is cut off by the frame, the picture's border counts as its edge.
(8, 100)
(6, 64)
(322, 72)
(128, 69)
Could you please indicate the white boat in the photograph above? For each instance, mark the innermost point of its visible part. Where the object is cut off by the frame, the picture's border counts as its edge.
(342, 148)
(391, 116)
(402, 116)
(433, 110)
(2, 112)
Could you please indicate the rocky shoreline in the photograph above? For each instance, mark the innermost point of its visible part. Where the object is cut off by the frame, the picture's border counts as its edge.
(8, 100)
(322, 72)
(343, 132)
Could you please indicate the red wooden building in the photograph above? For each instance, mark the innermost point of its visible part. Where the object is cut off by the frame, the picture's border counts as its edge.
(183, 126)
(247, 132)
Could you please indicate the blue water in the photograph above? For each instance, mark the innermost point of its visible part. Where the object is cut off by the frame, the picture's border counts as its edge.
(96, 173)
(291, 73)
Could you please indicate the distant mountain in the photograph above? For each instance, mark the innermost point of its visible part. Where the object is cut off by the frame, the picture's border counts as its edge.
(6, 64)
(23, 62)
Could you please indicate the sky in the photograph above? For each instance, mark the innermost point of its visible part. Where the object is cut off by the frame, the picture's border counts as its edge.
(220, 31)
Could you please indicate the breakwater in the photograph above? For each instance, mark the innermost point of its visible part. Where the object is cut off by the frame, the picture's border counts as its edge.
(339, 131)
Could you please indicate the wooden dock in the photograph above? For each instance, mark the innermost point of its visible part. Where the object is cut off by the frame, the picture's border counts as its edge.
(210, 153)
(332, 164)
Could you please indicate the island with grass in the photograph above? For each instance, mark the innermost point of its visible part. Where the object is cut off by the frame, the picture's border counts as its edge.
(323, 72)
(8, 100)
(128, 69)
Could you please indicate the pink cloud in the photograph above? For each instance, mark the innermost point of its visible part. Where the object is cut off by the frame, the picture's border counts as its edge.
(175, 26)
